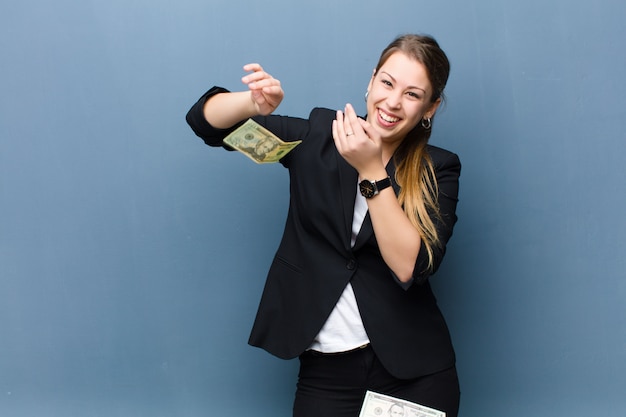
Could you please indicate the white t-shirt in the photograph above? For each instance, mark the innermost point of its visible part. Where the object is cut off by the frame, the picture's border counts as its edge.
(344, 328)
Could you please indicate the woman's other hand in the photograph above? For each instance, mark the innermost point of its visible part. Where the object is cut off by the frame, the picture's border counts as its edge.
(358, 143)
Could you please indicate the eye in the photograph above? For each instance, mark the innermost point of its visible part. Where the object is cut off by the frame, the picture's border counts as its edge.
(386, 82)
(414, 95)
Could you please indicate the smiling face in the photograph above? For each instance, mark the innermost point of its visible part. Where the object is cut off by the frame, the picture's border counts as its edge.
(399, 98)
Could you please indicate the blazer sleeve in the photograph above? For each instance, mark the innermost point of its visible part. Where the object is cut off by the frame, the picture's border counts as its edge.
(286, 128)
(195, 119)
(447, 171)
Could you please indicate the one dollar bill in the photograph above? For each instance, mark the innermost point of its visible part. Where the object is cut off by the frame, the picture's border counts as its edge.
(377, 405)
(258, 143)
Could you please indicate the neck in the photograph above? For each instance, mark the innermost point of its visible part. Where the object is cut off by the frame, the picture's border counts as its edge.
(388, 152)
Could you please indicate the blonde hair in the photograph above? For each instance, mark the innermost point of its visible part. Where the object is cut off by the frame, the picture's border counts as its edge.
(415, 173)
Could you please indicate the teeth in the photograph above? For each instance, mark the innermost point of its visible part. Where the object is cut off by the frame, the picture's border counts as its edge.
(387, 118)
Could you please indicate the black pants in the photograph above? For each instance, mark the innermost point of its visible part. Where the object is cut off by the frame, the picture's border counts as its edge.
(335, 385)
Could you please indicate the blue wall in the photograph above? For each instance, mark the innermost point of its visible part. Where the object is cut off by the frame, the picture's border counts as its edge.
(132, 257)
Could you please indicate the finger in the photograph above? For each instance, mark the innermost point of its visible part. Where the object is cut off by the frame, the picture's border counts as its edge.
(252, 67)
(338, 136)
(351, 120)
(273, 90)
(369, 130)
(256, 74)
(340, 119)
(255, 77)
(267, 86)
(265, 83)
(345, 125)
(273, 95)
(351, 114)
(339, 133)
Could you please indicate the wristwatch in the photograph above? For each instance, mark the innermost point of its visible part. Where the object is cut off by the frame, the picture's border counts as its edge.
(370, 188)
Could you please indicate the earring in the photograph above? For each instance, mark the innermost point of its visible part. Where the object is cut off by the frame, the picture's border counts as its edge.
(427, 123)
(367, 93)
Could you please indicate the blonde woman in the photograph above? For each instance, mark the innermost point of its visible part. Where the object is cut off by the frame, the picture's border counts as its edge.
(372, 207)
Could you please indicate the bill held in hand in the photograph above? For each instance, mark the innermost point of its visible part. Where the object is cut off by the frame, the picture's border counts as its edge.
(258, 143)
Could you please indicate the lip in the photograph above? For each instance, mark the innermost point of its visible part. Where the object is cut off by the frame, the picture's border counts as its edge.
(386, 123)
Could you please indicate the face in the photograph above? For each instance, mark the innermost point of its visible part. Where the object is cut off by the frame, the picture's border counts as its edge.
(396, 411)
(264, 147)
(399, 98)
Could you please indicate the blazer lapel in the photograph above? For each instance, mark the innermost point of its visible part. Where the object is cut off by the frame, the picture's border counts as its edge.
(348, 178)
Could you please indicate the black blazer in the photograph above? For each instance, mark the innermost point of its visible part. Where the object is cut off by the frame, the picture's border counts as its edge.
(315, 260)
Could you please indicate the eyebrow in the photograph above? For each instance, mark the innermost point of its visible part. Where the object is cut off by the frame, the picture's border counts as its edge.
(411, 86)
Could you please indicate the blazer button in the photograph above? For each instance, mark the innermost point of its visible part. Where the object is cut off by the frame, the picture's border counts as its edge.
(351, 264)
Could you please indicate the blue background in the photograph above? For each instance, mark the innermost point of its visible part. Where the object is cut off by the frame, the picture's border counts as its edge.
(132, 256)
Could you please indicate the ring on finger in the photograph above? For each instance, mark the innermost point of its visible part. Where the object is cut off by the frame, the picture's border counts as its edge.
(349, 133)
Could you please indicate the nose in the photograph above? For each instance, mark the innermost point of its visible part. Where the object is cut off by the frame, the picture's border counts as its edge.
(394, 99)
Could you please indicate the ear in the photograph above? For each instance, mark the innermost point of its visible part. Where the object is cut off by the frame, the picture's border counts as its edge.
(432, 109)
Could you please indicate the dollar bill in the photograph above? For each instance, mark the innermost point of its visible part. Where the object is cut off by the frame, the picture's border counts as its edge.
(380, 405)
(258, 143)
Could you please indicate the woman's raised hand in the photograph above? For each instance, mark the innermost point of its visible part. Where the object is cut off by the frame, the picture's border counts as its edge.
(357, 142)
(265, 90)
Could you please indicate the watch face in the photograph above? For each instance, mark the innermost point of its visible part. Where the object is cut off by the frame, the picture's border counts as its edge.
(367, 189)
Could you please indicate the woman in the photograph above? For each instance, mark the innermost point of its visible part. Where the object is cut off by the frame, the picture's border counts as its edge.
(372, 206)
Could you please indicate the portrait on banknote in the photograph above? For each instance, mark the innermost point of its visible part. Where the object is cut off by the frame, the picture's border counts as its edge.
(258, 143)
(380, 405)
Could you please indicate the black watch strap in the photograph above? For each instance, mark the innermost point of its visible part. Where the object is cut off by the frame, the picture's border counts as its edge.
(371, 188)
